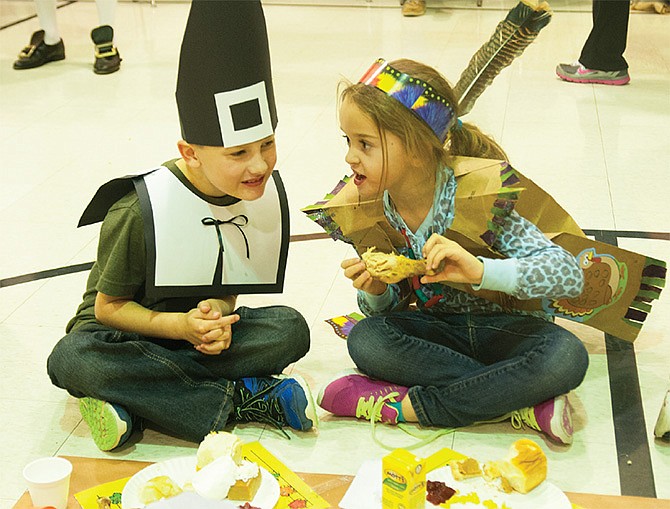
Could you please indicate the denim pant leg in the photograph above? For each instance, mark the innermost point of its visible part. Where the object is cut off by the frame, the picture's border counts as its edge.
(467, 368)
(178, 388)
(265, 341)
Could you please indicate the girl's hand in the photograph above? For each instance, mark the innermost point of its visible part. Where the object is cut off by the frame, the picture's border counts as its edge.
(458, 265)
(354, 269)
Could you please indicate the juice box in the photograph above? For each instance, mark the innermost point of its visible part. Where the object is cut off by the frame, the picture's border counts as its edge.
(403, 481)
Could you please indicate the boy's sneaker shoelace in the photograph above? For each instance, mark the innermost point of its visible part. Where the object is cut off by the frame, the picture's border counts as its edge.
(552, 417)
(278, 400)
(111, 425)
(577, 73)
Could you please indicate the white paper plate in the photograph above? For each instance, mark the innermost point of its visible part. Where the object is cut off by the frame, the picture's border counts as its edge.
(181, 470)
(545, 496)
(365, 491)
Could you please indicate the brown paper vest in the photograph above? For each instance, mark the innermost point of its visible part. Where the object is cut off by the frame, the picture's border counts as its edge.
(619, 285)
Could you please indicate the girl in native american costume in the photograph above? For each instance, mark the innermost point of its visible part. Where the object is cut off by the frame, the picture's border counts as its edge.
(457, 358)
(464, 261)
(460, 358)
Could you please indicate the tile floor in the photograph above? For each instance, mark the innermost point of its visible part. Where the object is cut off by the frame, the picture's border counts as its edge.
(602, 151)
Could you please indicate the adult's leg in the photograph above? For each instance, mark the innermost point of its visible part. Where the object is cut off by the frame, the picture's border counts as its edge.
(465, 369)
(106, 11)
(46, 14)
(45, 45)
(107, 57)
(606, 43)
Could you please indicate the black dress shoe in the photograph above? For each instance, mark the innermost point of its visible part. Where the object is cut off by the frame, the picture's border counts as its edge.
(39, 53)
(107, 58)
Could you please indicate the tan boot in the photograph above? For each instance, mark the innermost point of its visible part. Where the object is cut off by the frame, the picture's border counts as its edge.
(413, 8)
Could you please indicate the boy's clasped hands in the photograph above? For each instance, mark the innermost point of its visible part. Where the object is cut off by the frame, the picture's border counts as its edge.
(208, 328)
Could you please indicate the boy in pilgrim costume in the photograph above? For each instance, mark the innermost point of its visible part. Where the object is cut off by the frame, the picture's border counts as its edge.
(157, 336)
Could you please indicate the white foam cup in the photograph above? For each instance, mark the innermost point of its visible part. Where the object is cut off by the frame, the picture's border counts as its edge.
(48, 481)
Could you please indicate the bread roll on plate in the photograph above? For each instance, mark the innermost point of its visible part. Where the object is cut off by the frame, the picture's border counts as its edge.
(221, 471)
(525, 466)
(216, 445)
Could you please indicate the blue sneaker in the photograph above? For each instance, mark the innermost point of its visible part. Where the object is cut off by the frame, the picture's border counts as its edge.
(110, 424)
(278, 400)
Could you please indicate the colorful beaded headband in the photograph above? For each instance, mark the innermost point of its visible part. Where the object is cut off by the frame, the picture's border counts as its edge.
(417, 95)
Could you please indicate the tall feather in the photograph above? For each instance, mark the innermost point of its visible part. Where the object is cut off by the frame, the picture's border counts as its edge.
(511, 37)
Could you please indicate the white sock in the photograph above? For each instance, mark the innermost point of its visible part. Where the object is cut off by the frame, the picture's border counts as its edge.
(106, 11)
(46, 14)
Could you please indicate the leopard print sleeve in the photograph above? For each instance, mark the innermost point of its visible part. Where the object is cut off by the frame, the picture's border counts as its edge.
(368, 309)
(544, 269)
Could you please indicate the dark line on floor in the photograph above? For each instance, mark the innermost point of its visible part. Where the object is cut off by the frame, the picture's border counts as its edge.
(610, 235)
(636, 473)
(628, 234)
(309, 236)
(19, 21)
(81, 267)
(45, 274)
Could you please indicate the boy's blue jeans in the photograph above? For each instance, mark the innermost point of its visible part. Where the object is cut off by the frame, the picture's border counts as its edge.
(463, 369)
(169, 382)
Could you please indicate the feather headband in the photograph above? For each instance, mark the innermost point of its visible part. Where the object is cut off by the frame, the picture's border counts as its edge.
(415, 94)
(511, 37)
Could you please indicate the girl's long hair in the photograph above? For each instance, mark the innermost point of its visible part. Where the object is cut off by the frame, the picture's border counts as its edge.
(418, 138)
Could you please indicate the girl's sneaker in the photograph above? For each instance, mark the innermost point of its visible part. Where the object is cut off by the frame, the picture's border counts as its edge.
(110, 424)
(577, 73)
(352, 394)
(552, 417)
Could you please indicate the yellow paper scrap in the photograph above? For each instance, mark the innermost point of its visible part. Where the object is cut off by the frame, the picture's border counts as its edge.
(294, 492)
(441, 458)
(88, 499)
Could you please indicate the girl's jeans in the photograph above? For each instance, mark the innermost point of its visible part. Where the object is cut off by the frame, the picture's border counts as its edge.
(463, 369)
(169, 382)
